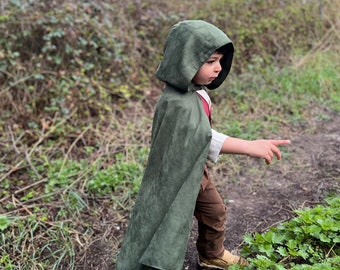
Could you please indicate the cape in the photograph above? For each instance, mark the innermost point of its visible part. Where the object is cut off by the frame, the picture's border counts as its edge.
(162, 216)
(161, 219)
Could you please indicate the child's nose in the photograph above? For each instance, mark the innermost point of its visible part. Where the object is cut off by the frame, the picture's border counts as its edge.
(218, 67)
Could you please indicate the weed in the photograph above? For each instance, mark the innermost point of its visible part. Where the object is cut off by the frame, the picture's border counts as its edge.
(308, 241)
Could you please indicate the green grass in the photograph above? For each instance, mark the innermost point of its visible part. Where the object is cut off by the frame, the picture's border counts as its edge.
(47, 220)
(261, 103)
(46, 244)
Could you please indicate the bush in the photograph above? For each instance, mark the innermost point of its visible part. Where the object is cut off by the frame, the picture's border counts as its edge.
(58, 58)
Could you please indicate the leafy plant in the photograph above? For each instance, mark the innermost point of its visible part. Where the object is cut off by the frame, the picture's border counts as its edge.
(311, 240)
(121, 176)
(4, 223)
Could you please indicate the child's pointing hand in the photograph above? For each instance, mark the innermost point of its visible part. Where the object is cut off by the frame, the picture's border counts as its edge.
(266, 149)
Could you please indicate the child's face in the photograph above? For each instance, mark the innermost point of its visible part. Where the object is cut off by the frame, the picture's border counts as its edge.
(209, 71)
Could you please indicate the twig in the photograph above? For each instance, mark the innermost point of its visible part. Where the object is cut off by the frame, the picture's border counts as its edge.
(43, 196)
(23, 189)
(15, 200)
(276, 223)
(31, 165)
(41, 139)
(15, 83)
(21, 80)
(330, 250)
(285, 259)
(44, 204)
(14, 141)
(278, 211)
(75, 181)
(71, 147)
(318, 45)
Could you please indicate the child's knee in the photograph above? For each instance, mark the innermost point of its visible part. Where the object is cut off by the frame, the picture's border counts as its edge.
(222, 212)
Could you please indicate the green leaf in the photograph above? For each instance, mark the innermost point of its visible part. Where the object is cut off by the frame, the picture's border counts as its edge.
(292, 244)
(336, 239)
(267, 249)
(313, 230)
(303, 251)
(4, 223)
(282, 251)
(324, 238)
(326, 224)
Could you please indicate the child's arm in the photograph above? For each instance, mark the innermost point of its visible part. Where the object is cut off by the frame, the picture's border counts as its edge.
(266, 149)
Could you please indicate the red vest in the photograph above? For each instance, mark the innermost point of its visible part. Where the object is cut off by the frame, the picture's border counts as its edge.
(206, 107)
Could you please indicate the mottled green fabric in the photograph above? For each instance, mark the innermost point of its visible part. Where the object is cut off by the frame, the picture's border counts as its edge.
(160, 222)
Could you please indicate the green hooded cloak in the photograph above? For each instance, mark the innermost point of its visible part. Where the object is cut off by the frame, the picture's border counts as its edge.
(160, 222)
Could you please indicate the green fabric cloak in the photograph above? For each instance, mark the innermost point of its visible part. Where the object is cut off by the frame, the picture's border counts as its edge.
(161, 219)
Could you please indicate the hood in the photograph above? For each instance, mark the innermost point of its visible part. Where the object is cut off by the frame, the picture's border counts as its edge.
(188, 46)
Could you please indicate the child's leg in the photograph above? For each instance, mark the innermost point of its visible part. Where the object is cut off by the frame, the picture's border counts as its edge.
(211, 214)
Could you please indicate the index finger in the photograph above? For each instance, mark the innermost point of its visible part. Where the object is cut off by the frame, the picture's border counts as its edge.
(279, 142)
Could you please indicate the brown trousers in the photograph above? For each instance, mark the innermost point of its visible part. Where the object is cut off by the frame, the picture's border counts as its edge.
(211, 214)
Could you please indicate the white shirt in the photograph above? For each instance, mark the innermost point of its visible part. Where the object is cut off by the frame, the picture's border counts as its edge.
(217, 139)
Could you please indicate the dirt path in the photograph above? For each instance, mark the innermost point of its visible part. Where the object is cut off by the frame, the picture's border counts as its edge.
(309, 173)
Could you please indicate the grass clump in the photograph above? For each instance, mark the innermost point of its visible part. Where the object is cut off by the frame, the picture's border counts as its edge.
(255, 104)
(46, 244)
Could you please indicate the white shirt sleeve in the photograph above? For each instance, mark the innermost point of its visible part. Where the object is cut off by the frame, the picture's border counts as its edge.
(217, 141)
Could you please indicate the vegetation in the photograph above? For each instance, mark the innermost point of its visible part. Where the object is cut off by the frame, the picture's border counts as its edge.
(77, 93)
(308, 241)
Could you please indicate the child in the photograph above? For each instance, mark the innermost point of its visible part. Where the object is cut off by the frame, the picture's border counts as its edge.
(176, 184)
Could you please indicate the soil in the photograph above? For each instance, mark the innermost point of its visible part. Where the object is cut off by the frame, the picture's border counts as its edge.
(261, 197)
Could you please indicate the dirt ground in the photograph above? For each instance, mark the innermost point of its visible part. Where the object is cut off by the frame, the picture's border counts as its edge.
(259, 196)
